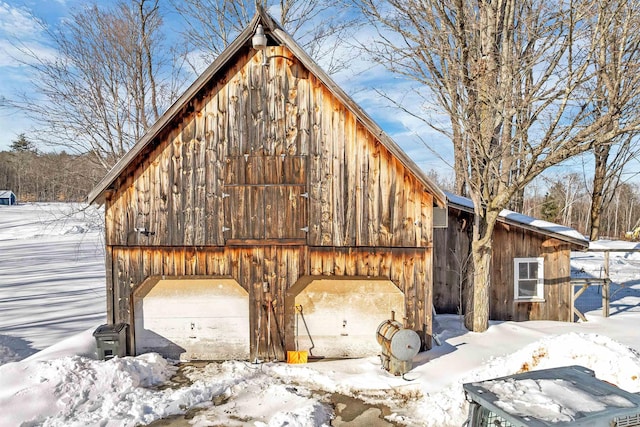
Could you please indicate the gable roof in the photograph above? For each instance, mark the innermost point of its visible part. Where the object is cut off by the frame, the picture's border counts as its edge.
(5, 194)
(516, 219)
(275, 33)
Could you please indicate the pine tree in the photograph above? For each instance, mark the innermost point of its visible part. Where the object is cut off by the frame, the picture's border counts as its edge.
(22, 145)
(550, 208)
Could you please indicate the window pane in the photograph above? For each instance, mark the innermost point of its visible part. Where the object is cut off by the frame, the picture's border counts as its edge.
(527, 288)
(533, 270)
(523, 270)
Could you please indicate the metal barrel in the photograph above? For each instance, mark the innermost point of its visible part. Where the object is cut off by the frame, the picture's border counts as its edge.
(403, 344)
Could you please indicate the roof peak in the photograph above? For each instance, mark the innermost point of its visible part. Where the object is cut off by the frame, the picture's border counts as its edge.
(275, 32)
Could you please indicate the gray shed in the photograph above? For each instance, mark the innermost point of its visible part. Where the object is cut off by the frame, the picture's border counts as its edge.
(7, 197)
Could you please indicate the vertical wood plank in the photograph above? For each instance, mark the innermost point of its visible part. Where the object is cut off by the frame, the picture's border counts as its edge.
(200, 180)
(111, 284)
(425, 233)
(292, 107)
(305, 109)
(164, 201)
(187, 188)
(315, 263)
(389, 202)
(221, 149)
(209, 158)
(410, 291)
(337, 165)
(233, 128)
(350, 180)
(340, 263)
(373, 202)
(362, 193)
(316, 173)
(177, 223)
(325, 146)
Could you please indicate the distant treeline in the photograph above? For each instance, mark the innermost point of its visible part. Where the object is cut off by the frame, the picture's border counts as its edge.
(47, 177)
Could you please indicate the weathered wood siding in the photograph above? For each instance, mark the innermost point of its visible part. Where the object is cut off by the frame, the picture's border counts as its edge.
(266, 177)
(266, 272)
(509, 242)
(266, 153)
(513, 243)
(452, 262)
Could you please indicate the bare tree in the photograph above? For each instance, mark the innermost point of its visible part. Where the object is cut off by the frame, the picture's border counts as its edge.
(566, 194)
(109, 81)
(616, 85)
(319, 26)
(511, 76)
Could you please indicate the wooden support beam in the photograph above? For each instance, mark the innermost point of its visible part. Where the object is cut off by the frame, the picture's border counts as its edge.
(605, 287)
(579, 314)
(605, 298)
(575, 297)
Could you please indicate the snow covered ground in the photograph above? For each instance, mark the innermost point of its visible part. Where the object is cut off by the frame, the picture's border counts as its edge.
(52, 298)
(51, 275)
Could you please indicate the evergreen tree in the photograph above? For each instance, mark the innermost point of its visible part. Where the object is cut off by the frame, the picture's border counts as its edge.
(22, 145)
(550, 208)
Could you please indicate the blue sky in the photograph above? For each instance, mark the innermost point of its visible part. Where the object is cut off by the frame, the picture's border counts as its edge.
(17, 26)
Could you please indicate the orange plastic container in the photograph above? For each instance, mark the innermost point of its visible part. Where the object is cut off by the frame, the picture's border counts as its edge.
(296, 357)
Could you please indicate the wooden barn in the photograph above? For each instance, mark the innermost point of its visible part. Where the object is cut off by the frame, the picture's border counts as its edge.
(266, 212)
(530, 267)
(7, 197)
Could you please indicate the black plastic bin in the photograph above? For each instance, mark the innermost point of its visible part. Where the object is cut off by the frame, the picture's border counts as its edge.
(111, 340)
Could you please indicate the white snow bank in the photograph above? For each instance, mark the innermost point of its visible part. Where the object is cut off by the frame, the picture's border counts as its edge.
(609, 360)
(263, 395)
(79, 391)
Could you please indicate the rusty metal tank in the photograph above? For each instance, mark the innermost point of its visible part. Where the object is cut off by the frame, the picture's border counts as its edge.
(399, 346)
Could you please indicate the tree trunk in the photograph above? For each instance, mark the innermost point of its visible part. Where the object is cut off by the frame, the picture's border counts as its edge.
(478, 301)
(516, 203)
(597, 196)
(477, 315)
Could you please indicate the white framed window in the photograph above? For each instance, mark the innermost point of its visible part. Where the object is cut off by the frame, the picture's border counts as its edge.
(528, 275)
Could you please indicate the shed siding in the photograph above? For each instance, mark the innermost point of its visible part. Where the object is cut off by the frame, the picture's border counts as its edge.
(452, 264)
(453, 267)
(513, 243)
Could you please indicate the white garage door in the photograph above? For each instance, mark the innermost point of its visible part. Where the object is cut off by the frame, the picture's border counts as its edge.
(192, 319)
(339, 316)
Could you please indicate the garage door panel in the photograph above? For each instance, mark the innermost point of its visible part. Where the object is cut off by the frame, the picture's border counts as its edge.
(210, 307)
(193, 319)
(342, 315)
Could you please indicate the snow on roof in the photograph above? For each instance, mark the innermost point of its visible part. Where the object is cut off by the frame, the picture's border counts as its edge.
(614, 245)
(5, 193)
(547, 227)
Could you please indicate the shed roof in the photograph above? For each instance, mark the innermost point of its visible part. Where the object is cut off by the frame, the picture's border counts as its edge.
(516, 219)
(5, 194)
(279, 36)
